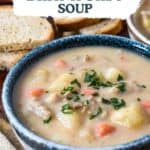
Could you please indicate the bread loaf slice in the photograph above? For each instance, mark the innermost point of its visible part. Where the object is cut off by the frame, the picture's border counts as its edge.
(8, 59)
(69, 24)
(106, 26)
(19, 33)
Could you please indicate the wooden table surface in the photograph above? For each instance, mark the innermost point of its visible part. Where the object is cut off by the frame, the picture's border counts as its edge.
(2, 77)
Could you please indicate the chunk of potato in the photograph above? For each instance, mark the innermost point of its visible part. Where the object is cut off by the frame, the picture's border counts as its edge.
(130, 117)
(61, 82)
(40, 76)
(69, 121)
(86, 134)
(58, 138)
(80, 75)
(112, 74)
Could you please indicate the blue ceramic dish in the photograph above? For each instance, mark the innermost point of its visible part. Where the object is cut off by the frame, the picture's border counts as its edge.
(30, 138)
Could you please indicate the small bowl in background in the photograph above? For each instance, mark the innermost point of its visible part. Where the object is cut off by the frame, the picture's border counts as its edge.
(139, 23)
(135, 33)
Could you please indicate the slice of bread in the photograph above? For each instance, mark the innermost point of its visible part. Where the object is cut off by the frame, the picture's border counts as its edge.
(106, 26)
(8, 59)
(69, 24)
(19, 33)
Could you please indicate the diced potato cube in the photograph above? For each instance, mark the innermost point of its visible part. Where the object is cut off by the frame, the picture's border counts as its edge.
(58, 138)
(86, 134)
(130, 117)
(80, 75)
(69, 121)
(61, 82)
(112, 74)
(40, 76)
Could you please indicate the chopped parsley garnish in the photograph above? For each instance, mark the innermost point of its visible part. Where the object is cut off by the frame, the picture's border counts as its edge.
(67, 109)
(106, 101)
(96, 113)
(86, 103)
(115, 102)
(75, 81)
(94, 81)
(120, 78)
(121, 86)
(70, 87)
(46, 121)
(74, 96)
(67, 89)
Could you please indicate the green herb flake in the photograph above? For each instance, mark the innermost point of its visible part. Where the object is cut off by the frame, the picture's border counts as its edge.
(95, 114)
(121, 86)
(75, 97)
(114, 102)
(117, 103)
(46, 121)
(67, 109)
(106, 101)
(67, 89)
(92, 79)
(86, 103)
(75, 81)
(120, 78)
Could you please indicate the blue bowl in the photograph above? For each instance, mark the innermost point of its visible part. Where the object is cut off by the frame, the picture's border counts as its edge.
(30, 138)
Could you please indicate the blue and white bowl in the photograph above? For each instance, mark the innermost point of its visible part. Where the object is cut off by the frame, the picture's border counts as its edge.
(30, 138)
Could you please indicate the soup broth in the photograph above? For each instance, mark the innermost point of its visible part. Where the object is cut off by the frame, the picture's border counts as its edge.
(86, 97)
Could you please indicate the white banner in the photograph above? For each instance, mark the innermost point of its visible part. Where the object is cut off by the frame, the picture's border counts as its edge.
(76, 8)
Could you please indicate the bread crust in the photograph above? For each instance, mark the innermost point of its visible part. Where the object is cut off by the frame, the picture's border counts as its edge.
(69, 24)
(9, 59)
(107, 26)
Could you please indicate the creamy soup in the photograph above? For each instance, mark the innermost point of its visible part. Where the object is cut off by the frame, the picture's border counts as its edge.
(86, 97)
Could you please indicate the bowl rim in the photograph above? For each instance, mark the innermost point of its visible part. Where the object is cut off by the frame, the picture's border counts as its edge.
(136, 32)
(9, 83)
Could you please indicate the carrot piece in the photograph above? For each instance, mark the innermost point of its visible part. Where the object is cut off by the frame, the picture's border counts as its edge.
(88, 91)
(104, 129)
(60, 63)
(146, 103)
(37, 92)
